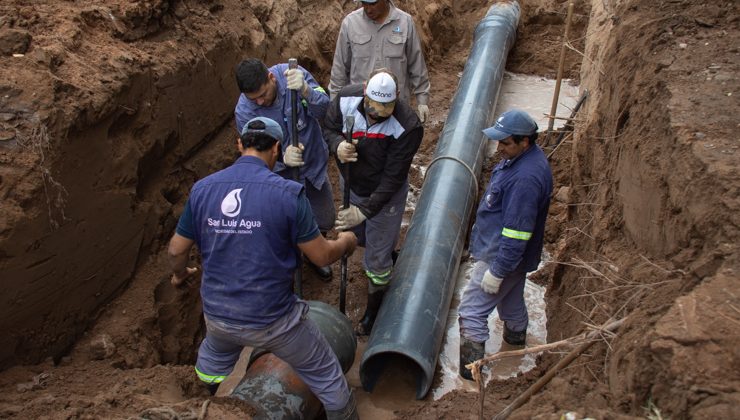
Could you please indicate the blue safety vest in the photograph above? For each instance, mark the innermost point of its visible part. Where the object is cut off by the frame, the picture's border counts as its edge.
(245, 227)
(509, 227)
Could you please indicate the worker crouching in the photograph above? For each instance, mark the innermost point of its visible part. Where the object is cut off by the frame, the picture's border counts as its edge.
(250, 225)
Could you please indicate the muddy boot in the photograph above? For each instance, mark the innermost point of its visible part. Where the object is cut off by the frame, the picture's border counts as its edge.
(394, 256)
(515, 338)
(374, 300)
(470, 351)
(212, 388)
(349, 412)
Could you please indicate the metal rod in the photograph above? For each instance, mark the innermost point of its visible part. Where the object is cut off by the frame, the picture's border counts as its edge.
(349, 126)
(572, 117)
(298, 274)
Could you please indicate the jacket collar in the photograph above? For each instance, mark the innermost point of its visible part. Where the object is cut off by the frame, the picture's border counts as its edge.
(254, 160)
(509, 162)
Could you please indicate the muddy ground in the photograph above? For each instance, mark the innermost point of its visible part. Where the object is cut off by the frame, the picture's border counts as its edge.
(109, 111)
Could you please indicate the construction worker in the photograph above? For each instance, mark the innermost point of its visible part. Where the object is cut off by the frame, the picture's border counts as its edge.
(387, 133)
(250, 225)
(507, 237)
(379, 35)
(266, 93)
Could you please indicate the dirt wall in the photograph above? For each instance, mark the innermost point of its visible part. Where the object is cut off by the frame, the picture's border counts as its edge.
(121, 132)
(101, 107)
(104, 108)
(653, 224)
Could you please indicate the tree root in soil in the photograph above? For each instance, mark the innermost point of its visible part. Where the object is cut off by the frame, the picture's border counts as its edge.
(584, 341)
(168, 413)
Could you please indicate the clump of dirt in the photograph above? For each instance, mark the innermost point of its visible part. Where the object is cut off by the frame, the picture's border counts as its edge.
(109, 112)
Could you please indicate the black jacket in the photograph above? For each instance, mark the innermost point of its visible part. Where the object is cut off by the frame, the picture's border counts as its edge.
(385, 150)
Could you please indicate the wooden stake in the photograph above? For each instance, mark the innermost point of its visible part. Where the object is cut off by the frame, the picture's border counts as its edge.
(556, 94)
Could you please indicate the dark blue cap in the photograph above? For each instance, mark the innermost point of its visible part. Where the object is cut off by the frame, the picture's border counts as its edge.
(513, 122)
(272, 128)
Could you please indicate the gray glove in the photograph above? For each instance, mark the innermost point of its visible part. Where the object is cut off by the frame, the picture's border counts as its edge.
(490, 283)
(423, 112)
(346, 152)
(296, 81)
(293, 156)
(349, 218)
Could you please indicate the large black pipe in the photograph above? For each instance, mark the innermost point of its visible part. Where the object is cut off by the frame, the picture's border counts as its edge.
(411, 321)
(274, 389)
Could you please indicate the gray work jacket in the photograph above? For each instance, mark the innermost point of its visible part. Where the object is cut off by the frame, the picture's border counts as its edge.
(363, 46)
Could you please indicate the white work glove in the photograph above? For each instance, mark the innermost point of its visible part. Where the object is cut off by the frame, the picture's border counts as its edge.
(423, 112)
(296, 81)
(346, 152)
(349, 218)
(293, 156)
(490, 283)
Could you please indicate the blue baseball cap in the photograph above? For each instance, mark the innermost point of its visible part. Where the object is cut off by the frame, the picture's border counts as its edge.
(271, 128)
(513, 122)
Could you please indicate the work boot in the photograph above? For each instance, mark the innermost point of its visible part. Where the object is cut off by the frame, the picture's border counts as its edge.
(394, 256)
(212, 388)
(515, 338)
(374, 300)
(349, 412)
(470, 351)
(325, 273)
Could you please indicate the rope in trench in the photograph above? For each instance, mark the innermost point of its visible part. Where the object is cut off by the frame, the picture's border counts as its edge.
(455, 159)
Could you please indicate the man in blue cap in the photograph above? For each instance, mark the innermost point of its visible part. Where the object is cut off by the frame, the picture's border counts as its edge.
(507, 237)
(251, 225)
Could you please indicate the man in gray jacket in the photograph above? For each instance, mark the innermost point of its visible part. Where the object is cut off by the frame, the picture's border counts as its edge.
(379, 35)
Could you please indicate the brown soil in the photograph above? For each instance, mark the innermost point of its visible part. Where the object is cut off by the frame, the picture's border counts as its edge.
(109, 111)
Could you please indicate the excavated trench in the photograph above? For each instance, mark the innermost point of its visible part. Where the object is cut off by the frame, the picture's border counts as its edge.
(134, 104)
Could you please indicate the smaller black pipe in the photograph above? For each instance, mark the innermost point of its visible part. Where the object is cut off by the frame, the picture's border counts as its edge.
(273, 388)
(349, 126)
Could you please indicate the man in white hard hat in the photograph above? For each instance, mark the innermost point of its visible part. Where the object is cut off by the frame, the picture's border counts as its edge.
(386, 135)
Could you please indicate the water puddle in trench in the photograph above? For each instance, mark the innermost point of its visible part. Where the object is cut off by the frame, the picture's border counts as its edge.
(393, 391)
(533, 94)
(449, 359)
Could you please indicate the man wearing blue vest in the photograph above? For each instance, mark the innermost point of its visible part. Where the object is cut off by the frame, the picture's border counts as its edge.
(250, 225)
(266, 93)
(507, 237)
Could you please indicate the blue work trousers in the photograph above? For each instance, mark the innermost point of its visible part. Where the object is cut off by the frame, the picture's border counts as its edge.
(321, 200)
(293, 338)
(476, 305)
